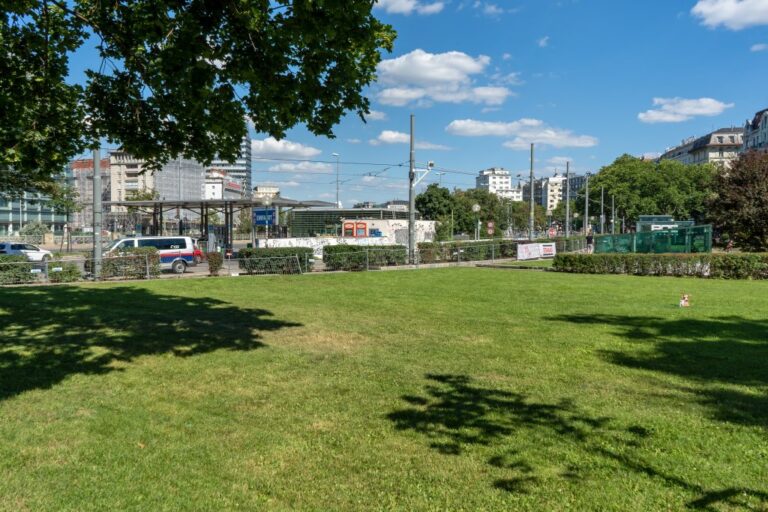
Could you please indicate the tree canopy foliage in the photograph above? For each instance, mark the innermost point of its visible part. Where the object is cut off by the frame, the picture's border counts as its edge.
(646, 187)
(740, 208)
(175, 77)
(453, 211)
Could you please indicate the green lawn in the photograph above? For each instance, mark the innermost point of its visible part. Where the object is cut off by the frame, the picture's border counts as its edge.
(451, 389)
(530, 263)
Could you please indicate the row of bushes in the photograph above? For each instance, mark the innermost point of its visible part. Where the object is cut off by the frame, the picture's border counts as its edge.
(136, 263)
(275, 260)
(723, 266)
(353, 257)
(15, 270)
(432, 252)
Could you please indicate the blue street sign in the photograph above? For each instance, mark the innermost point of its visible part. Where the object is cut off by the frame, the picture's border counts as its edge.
(264, 216)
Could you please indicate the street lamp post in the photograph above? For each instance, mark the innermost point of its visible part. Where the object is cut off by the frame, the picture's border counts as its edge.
(476, 211)
(337, 178)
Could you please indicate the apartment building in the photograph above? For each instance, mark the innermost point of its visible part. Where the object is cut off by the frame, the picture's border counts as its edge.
(756, 132)
(720, 147)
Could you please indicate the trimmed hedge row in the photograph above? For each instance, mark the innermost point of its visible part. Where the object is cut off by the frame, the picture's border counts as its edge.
(131, 265)
(15, 270)
(257, 260)
(431, 252)
(722, 266)
(69, 273)
(354, 257)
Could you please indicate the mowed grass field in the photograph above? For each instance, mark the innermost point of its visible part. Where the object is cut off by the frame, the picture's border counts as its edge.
(451, 389)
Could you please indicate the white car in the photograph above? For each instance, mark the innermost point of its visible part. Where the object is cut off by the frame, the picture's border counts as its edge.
(32, 252)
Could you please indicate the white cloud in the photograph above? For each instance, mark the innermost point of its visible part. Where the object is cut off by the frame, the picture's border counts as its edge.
(424, 77)
(509, 78)
(427, 69)
(560, 160)
(676, 110)
(272, 148)
(506, 56)
(760, 47)
(375, 115)
(302, 167)
(524, 132)
(354, 141)
(543, 42)
(393, 137)
(409, 6)
(732, 14)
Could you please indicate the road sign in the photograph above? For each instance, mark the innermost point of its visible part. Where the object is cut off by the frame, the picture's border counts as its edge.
(264, 216)
(552, 232)
(490, 227)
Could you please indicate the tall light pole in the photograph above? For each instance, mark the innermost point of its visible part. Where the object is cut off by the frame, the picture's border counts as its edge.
(440, 178)
(567, 199)
(412, 199)
(96, 213)
(531, 214)
(586, 208)
(337, 178)
(602, 210)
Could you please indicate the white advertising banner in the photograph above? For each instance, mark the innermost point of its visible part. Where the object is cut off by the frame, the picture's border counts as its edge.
(535, 251)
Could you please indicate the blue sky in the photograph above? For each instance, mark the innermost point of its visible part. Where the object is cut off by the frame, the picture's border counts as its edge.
(586, 80)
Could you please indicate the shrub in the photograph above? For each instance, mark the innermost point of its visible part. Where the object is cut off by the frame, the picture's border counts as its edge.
(134, 263)
(215, 262)
(15, 270)
(431, 252)
(265, 260)
(69, 273)
(34, 229)
(354, 257)
(724, 266)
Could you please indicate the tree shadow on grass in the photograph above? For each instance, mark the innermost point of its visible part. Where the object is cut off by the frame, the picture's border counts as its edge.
(49, 334)
(714, 354)
(456, 413)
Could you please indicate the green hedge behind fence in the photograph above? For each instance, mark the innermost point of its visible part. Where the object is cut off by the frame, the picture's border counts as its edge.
(355, 257)
(723, 266)
(433, 252)
(15, 270)
(134, 263)
(257, 260)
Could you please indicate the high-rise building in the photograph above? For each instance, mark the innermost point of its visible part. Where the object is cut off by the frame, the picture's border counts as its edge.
(178, 180)
(81, 171)
(240, 169)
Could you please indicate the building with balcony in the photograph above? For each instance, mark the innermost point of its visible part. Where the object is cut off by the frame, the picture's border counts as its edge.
(17, 212)
(756, 132)
(81, 172)
(720, 147)
(498, 181)
(239, 169)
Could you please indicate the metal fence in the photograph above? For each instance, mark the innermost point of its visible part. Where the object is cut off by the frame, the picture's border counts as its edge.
(683, 240)
(149, 266)
(23, 239)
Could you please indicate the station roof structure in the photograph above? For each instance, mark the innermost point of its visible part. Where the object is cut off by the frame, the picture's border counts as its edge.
(282, 202)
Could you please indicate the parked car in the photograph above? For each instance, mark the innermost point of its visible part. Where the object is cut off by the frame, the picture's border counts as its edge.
(32, 252)
(176, 252)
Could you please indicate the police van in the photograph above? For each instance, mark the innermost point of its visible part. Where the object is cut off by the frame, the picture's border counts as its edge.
(176, 252)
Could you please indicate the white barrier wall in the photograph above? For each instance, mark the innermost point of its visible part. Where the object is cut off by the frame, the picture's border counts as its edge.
(317, 244)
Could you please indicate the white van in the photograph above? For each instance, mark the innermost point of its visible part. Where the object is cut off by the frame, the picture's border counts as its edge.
(176, 252)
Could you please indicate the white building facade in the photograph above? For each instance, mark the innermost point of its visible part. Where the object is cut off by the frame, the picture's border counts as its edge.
(720, 147)
(756, 132)
(178, 180)
(240, 169)
(498, 181)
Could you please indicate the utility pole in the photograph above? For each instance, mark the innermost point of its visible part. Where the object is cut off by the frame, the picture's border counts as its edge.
(613, 214)
(567, 199)
(586, 208)
(602, 210)
(96, 213)
(412, 200)
(532, 212)
(337, 178)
